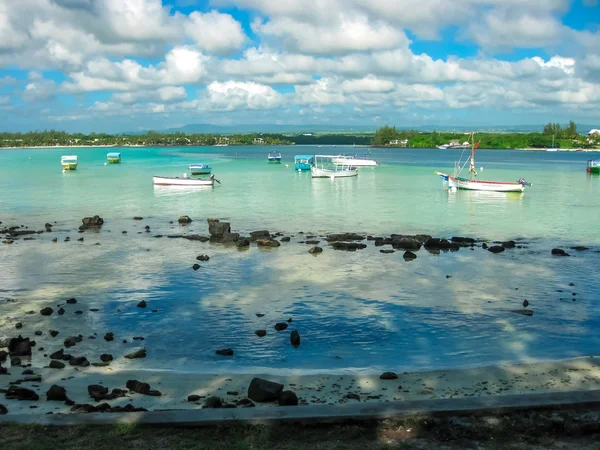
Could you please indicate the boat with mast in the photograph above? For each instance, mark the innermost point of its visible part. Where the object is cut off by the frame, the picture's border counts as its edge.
(457, 182)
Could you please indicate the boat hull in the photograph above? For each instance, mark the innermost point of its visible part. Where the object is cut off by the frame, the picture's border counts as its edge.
(594, 170)
(274, 160)
(480, 185)
(355, 162)
(114, 160)
(200, 169)
(185, 182)
(69, 166)
(331, 173)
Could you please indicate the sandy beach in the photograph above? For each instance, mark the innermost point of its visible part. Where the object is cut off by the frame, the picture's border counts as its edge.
(563, 376)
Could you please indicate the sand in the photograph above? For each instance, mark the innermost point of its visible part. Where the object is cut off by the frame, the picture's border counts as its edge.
(549, 377)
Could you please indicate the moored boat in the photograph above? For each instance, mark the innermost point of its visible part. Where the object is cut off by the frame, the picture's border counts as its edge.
(470, 184)
(322, 169)
(113, 157)
(303, 162)
(185, 181)
(274, 157)
(358, 160)
(200, 169)
(69, 162)
(593, 166)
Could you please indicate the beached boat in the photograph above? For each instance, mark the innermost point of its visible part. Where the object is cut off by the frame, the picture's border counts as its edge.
(358, 160)
(303, 162)
(470, 184)
(274, 157)
(200, 169)
(185, 181)
(323, 167)
(593, 166)
(113, 157)
(68, 162)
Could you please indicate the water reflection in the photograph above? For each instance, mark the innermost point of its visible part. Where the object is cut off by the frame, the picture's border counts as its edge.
(179, 191)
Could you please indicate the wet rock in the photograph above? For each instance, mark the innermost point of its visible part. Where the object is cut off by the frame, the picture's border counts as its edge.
(401, 242)
(352, 396)
(289, 320)
(484, 246)
(47, 311)
(106, 357)
(54, 364)
(509, 244)
(196, 267)
(60, 355)
(28, 372)
(261, 333)
(71, 301)
(141, 304)
(71, 341)
(288, 398)
(409, 256)
(184, 219)
(261, 390)
(96, 390)
(18, 325)
(243, 243)
(203, 258)
(56, 394)
(15, 361)
(218, 229)
(345, 237)
(80, 239)
(38, 333)
(79, 362)
(256, 235)
(525, 303)
(55, 240)
(61, 312)
(260, 315)
(387, 252)
(8, 241)
(463, 240)
(3, 356)
(315, 250)
(388, 376)
(295, 339)
(19, 346)
(225, 352)
(496, 249)
(348, 246)
(20, 393)
(138, 338)
(91, 222)
(523, 312)
(580, 248)
(268, 243)
(4, 410)
(245, 403)
(109, 337)
(147, 228)
(284, 239)
(138, 218)
(440, 244)
(559, 252)
(212, 402)
(140, 353)
(193, 398)
(138, 387)
(281, 326)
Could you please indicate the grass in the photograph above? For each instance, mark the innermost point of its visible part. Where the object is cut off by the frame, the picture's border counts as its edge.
(551, 430)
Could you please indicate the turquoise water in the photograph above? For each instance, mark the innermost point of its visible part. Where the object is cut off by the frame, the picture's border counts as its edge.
(361, 311)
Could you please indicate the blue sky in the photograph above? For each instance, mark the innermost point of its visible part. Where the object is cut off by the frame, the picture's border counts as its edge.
(127, 65)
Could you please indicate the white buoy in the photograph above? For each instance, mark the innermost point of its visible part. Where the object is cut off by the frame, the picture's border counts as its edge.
(332, 177)
(64, 170)
(185, 175)
(287, 165)
(299, 170)
(481, 169)
(105, 163)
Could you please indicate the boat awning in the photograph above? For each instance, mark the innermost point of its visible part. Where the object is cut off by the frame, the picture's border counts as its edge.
(113, 155)
(304, 157)
(69, 158)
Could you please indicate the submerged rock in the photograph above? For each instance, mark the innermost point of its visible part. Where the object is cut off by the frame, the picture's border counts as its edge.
(256, 235)
(285, 239)
(281, 326)
(141, 304)
(295, 339)
(109, 337)
(71, 341)
(196, 267)
(225, 352)
(19, 346)
(261, 390)
(54, 364)
(387, 252)
(47, 311)
(140, 353)
(261, 333)
(268, 243)
(496, 249)
(80, 362)
(91, 222)
(212, 402)
(203, 258)
(245, 403)
(56, 394)
(315, 250)
(20, 393)
(193, 398)
(345, 237)
(409, 256)
(106, 357)
(388, 376)
(523, 312)
(348, 246)
(184, 219)
(243, 243)
(559, 252)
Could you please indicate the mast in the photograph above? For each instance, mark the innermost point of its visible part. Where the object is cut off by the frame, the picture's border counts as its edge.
(472, 171)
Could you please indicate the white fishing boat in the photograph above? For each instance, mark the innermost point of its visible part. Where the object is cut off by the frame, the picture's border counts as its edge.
(323, 167)
(456, 182)
(358, 160)
(185, 181)
(69, 162)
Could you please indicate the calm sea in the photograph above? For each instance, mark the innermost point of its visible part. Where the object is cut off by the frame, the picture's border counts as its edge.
(362, 311)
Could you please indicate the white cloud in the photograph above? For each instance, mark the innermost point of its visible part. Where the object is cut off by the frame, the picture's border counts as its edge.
(325, 91)
(215, 32)
(167, 94)
(5, 100)
(39, 88)
(367, 84)
(231, 95)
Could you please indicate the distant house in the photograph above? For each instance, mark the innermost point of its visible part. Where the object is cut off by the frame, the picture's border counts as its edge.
(307, 134)
(258, 140)
(594, 132)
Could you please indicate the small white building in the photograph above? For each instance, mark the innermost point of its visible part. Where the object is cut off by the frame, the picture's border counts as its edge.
(594, 132)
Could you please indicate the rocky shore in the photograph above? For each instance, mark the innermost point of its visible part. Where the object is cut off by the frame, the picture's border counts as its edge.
(108, 381)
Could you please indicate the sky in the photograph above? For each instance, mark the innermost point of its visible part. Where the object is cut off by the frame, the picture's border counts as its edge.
(135, 65)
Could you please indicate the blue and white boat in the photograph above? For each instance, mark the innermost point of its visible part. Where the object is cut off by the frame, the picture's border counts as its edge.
(303, 162)
(200, 169)
(113, 157)
(274, 157)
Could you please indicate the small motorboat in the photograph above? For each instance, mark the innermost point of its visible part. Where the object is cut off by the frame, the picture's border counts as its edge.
(69, 162)
(274, 158)
(593, 166)
(200, 169)
(113, 157)
(358, 160)
(322, 169)
(303, 162)
(185, 181)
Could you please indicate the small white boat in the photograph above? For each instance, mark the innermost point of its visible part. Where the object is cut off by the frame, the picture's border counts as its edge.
(68, 162)
(274, 157)
(322, 169)
(358, 160)
(200, 169)
(185, 181)
(113, 157)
